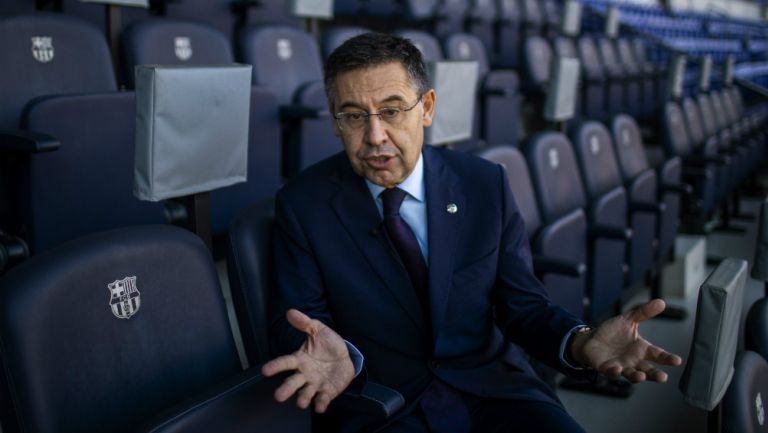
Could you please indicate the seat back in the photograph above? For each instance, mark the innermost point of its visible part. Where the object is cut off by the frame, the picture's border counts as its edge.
(166, 41)
(334, 37)
(47, 54)
(744, 403)
(629, 146)
(676, 141)
(481, 20)
(508, 31)
(467, 47)
(593, 93)
(708, 120)
(250, 262)
(693, 122)
(760, 259)
(283, 58)
(449, 17)
(134, 317)
(595, 154)
(425, 42)
(565, 47)
(519, 178)
(537, 58)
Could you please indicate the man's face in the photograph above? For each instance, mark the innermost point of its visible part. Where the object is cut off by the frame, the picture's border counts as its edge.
(384, 152)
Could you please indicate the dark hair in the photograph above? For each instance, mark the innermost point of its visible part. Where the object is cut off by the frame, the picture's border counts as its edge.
(375, 49)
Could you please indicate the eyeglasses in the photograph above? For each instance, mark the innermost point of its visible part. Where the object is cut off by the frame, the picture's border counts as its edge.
(355, 120)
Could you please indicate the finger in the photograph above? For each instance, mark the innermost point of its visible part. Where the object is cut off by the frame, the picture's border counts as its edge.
(647, 311)
(633, 375)
(306, 395)
(661, 356)
(289, 387)
(300, 321)
(280, 364)
(651, 372)
(322, 401)
(611, 369)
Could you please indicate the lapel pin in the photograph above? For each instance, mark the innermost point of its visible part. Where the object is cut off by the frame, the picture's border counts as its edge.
(452, 208)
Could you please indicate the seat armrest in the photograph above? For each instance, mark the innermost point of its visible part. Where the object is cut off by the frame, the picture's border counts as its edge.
(609, 232)
(551, 265)
(27, 142)
(244, 402)
(496, 91)
(377, 400)
(293, 112)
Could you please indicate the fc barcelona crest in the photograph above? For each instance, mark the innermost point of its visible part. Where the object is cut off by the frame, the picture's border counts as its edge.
(125, 298)
(182, 48)
(42, 48)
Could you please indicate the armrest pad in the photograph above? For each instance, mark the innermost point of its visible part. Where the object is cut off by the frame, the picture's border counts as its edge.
(302, 112)
(551, 265)
(609, 231)
(27, 142)
(377, 400)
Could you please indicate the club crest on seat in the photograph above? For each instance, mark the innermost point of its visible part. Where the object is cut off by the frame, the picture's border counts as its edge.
(125, 298)
(42, 48)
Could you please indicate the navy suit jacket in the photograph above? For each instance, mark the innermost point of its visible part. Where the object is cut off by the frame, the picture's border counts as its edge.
(334, 263)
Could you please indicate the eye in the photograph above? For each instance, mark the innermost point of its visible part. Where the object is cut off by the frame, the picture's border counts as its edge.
(389, 113)
(353, 117)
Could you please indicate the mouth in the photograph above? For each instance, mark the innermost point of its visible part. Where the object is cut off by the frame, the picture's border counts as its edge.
(379, 162)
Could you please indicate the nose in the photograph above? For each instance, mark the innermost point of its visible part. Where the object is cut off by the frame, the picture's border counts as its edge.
(376, 131)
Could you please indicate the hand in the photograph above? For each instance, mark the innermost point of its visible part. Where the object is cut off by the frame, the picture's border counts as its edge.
(616, 348)
(322, 366)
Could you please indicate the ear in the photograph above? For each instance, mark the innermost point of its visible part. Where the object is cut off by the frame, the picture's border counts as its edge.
(428, 101)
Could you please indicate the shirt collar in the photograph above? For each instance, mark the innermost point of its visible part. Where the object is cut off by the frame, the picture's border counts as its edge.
(413, 184)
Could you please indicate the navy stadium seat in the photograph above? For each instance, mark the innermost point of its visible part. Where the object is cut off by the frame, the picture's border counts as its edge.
(498, 98)
(481, 22)
(641, 184)
(449, 17)
(607, 207)
(561, 201)
(508, 34)
(425, 42)
(187, 43)
(593, 80)
(743, 406)
(287, 61)
(334, 37)
(137, 320)
(756, 328)
(562, 272)
(67, 149)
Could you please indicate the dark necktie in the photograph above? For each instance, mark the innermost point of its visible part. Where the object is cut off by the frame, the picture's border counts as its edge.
(405, 243)
(443, 406)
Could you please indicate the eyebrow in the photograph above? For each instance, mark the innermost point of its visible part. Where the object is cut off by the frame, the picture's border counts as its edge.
(350, 104)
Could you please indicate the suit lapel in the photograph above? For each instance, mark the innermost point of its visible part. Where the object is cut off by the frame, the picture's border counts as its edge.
(357, 211)
(443, 189)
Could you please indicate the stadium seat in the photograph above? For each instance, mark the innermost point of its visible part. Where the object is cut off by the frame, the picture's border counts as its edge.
(621, 92)
(498, 98)
(641, 184)
(593, 92)
(425, 42)
(287, 61)
(449, 17)
(251, 282)
(187, 43)
(136, 318)
(508, 34)
(334, 37)
(744, 402)
(607, 209)
(756, 328)
(67, 148)
(481, 22)
(561, 201)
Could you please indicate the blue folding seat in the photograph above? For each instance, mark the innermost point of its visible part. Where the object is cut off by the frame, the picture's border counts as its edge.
(498, 96)
(729, 175)
(425, 42)
(186, 43)
(565, 47)
(130, 333)
(508, 34)
(14, 7)
(561, 200)
(250, 266)
(642, 186)
(621, 92)
(552, 14)
(537, 59)
(68, 140)
(533, 19)
(656, 72)
(287, 61)
(335, 36)
(682, 137)
(743, 405)
(639, 89)
(607, 209)
(559, 256)
(593, 80)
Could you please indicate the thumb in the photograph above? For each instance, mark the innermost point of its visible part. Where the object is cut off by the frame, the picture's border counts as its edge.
(647, 311)
(300, 321)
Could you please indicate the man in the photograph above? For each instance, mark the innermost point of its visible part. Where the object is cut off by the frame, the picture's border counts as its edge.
(416, 259)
